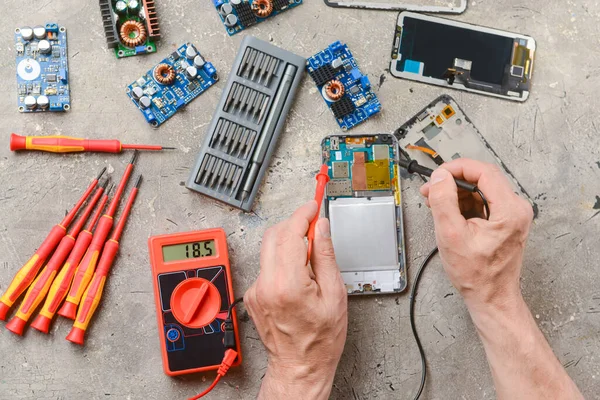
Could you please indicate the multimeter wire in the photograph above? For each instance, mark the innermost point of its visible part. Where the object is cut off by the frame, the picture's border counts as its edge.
(233, 305)
(413, 294)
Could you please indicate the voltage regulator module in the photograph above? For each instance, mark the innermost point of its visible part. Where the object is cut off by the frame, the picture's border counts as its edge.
(344, 88)
(131, 26)
(172, 84)
(42, 71)
(238, 15)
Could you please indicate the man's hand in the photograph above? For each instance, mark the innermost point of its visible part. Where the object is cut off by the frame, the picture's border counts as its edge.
(483, 260)
(300, 313)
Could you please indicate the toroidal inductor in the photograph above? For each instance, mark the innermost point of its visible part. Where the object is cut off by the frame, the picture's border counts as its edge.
(335, 90)
(133, 33)
(262, 8)
(165, 74)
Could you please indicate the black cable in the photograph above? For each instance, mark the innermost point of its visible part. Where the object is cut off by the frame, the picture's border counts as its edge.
(229, 340)
(413, 295)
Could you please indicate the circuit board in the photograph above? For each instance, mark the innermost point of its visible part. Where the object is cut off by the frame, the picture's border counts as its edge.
(359, 166)
(131, 26)
(364, 207)
(238, 15)
(172, 84)
(42, 68)
(344, 88)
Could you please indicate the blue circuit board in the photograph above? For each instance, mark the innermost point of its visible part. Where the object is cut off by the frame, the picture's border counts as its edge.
(379, 170)
(334, 65)
(172, 84)
(42, 68)
(238, 15)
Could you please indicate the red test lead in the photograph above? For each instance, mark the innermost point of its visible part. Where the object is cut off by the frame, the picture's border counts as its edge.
(322, 180)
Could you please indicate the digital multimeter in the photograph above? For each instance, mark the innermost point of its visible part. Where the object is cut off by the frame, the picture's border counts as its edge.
(193, 291)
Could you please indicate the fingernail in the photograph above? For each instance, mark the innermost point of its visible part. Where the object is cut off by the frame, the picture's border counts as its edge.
(439, 175)
(323, 227)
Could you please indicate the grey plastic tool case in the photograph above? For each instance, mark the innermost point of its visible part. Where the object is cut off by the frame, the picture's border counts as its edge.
(257, 97)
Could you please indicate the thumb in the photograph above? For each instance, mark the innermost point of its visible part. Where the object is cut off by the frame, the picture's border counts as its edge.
(443, 200)
(323, 260)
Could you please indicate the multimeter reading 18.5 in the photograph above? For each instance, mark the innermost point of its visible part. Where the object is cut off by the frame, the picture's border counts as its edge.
(189, 250)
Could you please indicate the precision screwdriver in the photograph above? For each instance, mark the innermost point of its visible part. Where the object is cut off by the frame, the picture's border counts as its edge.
(28, 272)
(62, 282)
(39, 288)
(86, 267)
(66, 144)
(93, 293)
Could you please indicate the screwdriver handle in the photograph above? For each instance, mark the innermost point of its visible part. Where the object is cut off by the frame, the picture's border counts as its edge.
(63, 144)
(27, 273)
(322, 180)
(413, 167)
(93, 294)
(38, 290)
(86, 268)
(62, 282)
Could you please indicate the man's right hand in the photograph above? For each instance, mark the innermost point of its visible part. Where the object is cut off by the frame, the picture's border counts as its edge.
(483, 258)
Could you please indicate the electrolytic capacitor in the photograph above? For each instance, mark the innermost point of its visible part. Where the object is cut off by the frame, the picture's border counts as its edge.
(121, 7)
(44, 47)
(191, 72)
(39, 32)
(145, 102)
(137, 92)
(134, 7)
(226, 9)
(43, 102)
(190, 52)
(231, 20)
(26, 33)
(199, 61)
(30, 102)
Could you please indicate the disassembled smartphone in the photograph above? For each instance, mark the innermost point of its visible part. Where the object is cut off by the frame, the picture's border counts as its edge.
(364, 206)
(428, 6)
(442, 132)
(462, 56)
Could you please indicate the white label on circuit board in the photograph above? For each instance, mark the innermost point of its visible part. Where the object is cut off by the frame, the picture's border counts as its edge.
(338, 156)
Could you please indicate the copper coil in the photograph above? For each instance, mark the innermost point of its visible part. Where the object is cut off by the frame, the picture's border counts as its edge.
(335, 90)
(165, 74)
(262, 8)
(137, 29)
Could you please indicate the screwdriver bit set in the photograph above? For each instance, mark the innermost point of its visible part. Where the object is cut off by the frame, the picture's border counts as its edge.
(247, 123)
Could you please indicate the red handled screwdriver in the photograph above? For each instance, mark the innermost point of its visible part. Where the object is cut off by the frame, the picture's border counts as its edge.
(86, 267)
(93, 293)
(39, 288)
(28, 272)
(62, 282)
(66, 144)
(322, 180)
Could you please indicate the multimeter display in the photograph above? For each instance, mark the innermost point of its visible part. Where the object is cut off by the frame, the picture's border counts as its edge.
(189, 250)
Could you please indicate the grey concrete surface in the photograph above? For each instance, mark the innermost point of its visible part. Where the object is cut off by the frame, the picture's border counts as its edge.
(551, 143)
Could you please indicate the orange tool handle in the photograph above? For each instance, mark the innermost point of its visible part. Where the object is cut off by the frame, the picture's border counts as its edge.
(38, 290)
(93, 293)
(62, 282)
(86, 268)
(112, 208)
(27, 273)
(63, 144)
(322, 180)
(79, 224)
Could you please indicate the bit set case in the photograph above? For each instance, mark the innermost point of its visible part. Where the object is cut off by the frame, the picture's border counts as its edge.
(247, 123)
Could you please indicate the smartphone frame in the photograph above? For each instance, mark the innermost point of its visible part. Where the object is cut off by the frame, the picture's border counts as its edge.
(398, 221)
(364, 5)
(397, 57)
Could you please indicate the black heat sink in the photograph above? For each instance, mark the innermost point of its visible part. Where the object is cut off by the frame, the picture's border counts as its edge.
(245, 14)
(343, 107)
(323, 75)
